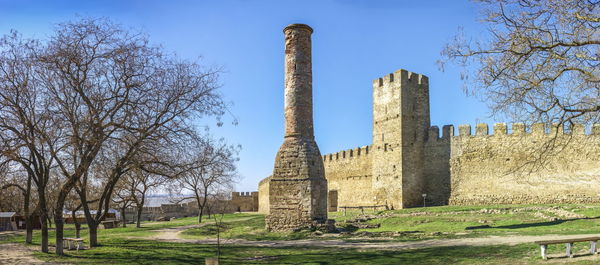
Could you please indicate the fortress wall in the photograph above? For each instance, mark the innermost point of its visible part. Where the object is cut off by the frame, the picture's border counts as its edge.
(400, 124)
(349, 173)
(244, 201)
(505, 167)
(387, 139)
(263, 196)
(437, 166)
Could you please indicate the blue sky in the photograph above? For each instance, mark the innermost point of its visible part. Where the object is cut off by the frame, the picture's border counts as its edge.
(354, 42)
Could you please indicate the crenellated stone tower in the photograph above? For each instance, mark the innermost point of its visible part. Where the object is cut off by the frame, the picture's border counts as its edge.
(297, 188)
(400, 127)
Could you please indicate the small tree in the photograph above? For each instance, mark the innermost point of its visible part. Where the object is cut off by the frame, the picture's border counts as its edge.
(212, 169)
(122, 200)
(140, 182)
(220, 207)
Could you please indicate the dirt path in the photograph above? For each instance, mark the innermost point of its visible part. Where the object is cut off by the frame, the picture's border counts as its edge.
(171, 235)
(16, 253)
(168, 234)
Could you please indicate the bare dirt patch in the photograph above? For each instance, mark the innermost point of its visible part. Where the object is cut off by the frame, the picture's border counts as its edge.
(16, 253)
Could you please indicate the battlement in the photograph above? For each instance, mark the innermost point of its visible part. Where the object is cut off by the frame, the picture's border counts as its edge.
(401, 77)
(244, 194)
(518, 129)
(350, 153)
(434, 133)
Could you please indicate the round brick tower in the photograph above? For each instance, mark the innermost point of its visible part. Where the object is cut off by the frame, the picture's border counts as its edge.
(297, 188)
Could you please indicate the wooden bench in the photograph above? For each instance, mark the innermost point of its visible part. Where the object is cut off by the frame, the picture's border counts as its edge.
(110, 224)
(73, 243)
(569, 244)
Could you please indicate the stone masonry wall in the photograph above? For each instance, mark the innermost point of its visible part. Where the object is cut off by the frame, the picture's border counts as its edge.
(504, 168)
(348, 173)
(387, 141)
(263, 195)
(244, 201)
(297, 188)
(461, 168)
(437, 166)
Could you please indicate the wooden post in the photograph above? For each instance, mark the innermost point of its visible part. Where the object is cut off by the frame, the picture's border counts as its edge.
(344, 211)
(211, 261)
(593, 247)
(544, 247)
(569, 247)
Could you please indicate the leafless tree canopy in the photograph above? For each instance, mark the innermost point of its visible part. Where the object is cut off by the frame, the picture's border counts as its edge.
(90, 104)
(210, 174)
(539, 62)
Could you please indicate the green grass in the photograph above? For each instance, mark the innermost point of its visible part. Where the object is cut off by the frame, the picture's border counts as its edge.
(252, 227)
(129, 245)
(427, 223)
(147, 229)
(135, 251)
(453, 221)
(117, 251)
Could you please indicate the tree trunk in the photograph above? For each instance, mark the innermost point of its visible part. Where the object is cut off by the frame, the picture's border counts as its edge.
(43, 219)
(29, 227)
(28, 238)
(123, 219)
(200, 207)
(200, 213)
(93, 233)
(59, 223)
(77, 224)
(139, 216)
(44, 222)
(92, 221)
(59, 220)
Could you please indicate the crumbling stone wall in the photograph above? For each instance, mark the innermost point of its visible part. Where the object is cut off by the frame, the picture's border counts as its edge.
(297, 188)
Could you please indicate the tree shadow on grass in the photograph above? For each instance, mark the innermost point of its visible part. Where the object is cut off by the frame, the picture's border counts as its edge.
(152, 252)
(528, 225)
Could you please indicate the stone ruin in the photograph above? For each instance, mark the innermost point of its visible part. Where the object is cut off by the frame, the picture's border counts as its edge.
(298, 188)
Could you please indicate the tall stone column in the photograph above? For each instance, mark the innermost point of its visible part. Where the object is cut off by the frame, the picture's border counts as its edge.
(297, 188)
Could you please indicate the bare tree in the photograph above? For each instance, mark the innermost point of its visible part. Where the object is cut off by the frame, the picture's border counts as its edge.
(73, 205)
(539, 61)
(25, 126)
(219, 212)
(213, 169)
(140, 182)
(122, 200)
(21, 184)
(99, 87)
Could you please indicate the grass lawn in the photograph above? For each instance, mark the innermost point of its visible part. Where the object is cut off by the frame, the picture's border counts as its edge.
(250, 228)
(479, 221)
(128, 245)
(432, 223)
(147, 229)
(118, 251)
